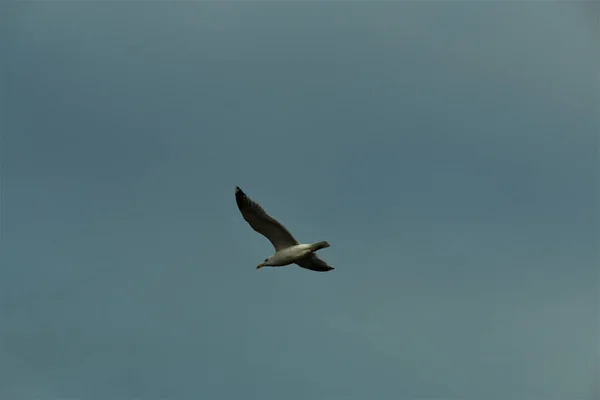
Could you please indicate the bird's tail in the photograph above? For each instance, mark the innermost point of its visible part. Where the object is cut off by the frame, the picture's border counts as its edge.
(319, 245)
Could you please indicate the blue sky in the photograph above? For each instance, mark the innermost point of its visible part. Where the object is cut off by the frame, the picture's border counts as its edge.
(448, 151)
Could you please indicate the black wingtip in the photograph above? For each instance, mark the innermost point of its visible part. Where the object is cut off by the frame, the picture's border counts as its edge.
(239, 196)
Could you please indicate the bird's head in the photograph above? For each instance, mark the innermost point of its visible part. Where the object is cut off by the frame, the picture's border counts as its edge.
(263, 264)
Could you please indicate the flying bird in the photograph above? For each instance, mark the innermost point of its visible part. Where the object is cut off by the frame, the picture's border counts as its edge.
(287, 249)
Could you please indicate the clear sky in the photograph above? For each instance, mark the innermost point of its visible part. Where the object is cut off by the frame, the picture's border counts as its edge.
(448, 151)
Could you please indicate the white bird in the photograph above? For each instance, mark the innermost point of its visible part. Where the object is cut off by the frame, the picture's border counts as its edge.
(287, 249)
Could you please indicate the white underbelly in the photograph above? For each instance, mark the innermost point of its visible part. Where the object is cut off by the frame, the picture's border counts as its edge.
(290, 255)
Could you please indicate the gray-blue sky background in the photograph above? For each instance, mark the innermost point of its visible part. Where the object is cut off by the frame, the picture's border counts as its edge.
(451, 151)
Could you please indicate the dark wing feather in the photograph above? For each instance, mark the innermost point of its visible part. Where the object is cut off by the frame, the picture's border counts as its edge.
(263, 223)
(314, 263)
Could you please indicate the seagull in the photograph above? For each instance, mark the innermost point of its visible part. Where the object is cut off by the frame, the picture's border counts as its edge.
(287, 249)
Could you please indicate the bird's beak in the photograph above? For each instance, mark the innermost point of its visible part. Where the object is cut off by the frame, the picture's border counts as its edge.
(259, 266)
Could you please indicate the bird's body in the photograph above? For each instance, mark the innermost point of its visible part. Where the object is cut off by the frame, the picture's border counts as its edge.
(287, 249)
(294, 253)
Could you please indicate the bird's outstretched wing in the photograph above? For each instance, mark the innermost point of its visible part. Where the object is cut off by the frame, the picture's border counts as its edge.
(263, 223)
(314, 263)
